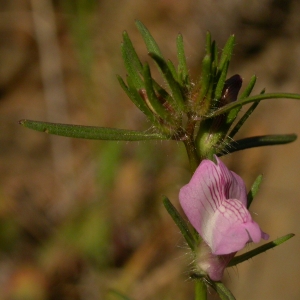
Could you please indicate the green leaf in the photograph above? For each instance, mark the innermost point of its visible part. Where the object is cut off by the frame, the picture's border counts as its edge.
(180, 222)
(254, 189)
(242, 120)
(241, 258)
(234, 112)
(259, 141)
(132, 62)
(221, 82)
(227, 53)
(91, 132)
(135, 97)
(206, 78)
(222, 290)
(256, 98)
(152, 98)
(247, 91)
(178, 104)
(148, 39)
(172, 69)
(183, 72)
(208, 43)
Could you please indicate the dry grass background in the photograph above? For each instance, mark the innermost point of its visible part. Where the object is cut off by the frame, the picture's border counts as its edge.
(79, 217)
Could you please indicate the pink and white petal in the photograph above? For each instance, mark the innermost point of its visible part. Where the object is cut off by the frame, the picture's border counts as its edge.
(201, 197)
(231, 228)
(235, 187)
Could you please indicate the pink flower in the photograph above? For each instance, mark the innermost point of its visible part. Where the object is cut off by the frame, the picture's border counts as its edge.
(215, 202)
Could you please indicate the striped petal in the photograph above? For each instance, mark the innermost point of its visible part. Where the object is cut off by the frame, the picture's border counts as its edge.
(215, 203)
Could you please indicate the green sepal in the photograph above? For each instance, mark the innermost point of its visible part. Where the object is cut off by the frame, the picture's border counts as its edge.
(243, 257)
(91, 132)
(258, 141)
(180, 222)
(178, 102)
(148, 39)
(254, 189)
(183, 73)
(241, 102)
(132, 62)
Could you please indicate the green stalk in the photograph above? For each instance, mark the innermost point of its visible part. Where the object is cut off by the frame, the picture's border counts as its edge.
(200, 290)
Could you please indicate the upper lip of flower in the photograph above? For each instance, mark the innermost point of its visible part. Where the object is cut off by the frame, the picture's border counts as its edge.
(215, 202)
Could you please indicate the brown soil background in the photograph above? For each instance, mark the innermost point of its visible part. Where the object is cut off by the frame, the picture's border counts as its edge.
(79, 217)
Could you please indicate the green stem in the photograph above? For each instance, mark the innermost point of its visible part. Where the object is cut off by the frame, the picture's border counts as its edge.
(200, 290)
(192, 154)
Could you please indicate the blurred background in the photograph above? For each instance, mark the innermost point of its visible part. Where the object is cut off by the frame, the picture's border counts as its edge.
(79, 218)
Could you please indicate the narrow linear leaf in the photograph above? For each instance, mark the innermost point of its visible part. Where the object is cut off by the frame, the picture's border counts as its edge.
(215, 54)
(208, 43)
(131, 60)
(234, 112)
(172, 69)
(182, 65)
(152, 98)
(91, 132)
(254, 189)
(221, 289)
(241, 258)
(221, 82)
(178, 104)
(206, 77)
(148, 39)
(259, 141)
(135, 97)
(162, 92)
(180, 222)
(242, 120)
(227, 52)
(256, 98)
(247, 91)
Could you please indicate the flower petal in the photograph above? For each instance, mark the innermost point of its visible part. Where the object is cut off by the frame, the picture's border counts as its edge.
(236, 188)
(210, 185)
(231, 228)
(202, 195)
